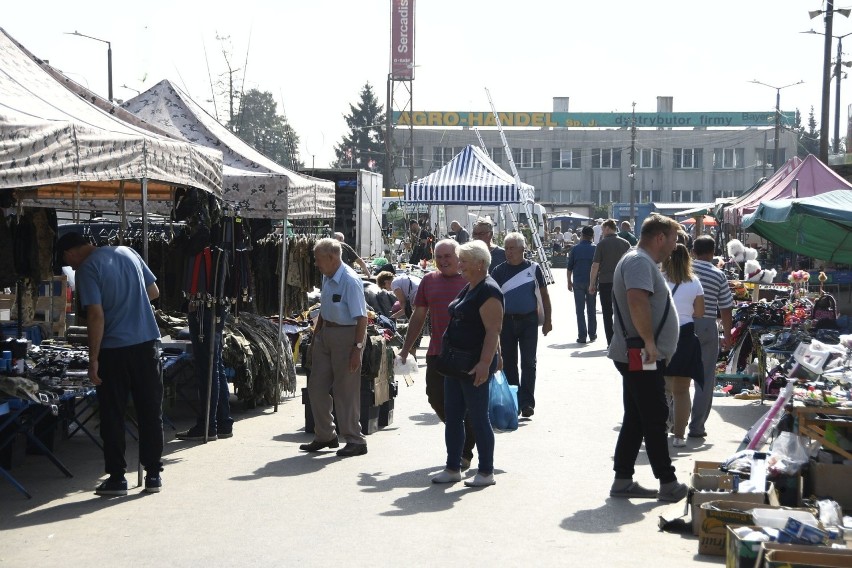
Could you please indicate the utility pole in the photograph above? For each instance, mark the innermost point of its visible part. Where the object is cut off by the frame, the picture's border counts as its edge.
(775, 164)
(826, 80)
(632, 175)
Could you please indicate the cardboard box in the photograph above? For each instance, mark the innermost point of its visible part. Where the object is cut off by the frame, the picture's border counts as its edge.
(832, 481)
(718, 516)
(774, 555)
(710, 484)
(740, 553)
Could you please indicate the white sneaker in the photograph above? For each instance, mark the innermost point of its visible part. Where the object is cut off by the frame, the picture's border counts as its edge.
(447, 476)
(678, 442)
(480, 480)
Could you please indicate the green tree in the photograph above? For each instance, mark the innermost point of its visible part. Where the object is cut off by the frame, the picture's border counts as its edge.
(258, 123)
(364, 145)
(808, 140)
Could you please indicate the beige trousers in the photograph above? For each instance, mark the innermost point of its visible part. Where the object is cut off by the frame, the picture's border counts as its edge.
(677, 391)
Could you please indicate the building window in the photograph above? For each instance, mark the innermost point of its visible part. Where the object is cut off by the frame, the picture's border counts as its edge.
(496, 154)
(603, 197)
(406, 160)
(606, 158)
(650, 158)
(688, 196)
(565, 196)
(648, 196)
(765, 157)
(566, 159)
(526, 158)
(688, 159)
(443, 154)
(728, 158)
(726, 193)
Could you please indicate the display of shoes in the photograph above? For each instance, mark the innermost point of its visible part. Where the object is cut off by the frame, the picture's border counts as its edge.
(447, 476)
(351, 450)
(112, 487)
(317, 445)
(480, 480)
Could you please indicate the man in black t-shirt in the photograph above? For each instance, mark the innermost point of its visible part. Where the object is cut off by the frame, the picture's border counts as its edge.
(421, 243)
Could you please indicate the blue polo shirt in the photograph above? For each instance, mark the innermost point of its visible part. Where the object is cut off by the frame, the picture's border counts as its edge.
(342, 298)
(580, 262)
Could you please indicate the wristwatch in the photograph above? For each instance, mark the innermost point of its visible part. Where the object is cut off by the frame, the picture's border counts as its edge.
(360, 345)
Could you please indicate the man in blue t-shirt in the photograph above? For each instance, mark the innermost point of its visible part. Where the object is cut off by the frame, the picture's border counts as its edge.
(116, 289)
(579, 277)
(484, 231)
(525, 294)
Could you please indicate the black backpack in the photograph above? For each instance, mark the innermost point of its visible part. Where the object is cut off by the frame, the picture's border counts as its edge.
(825, 312)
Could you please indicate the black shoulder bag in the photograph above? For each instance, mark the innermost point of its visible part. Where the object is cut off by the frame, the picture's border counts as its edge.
(638, 342)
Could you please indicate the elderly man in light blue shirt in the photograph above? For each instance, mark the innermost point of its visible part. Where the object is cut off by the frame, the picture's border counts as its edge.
(342, 322)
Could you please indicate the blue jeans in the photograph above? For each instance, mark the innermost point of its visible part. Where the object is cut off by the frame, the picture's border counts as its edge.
(220, 408)
(585, 306)
(460, 397)
(520, 332)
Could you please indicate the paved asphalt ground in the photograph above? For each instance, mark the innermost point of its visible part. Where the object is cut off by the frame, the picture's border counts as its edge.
(255, 500)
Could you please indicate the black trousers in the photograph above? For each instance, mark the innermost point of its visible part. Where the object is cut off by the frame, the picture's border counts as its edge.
(435, 396)
(605, 294)
(132, 370)
(645, 414)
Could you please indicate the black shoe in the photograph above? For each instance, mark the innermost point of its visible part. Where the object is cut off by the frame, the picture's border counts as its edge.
(316, 445)
(698, 434)
(112, 487)
(195, 434)
(592, 337)
(153, 483)
(527, 411)
(350, 450)
(224, 434)
(581, 340)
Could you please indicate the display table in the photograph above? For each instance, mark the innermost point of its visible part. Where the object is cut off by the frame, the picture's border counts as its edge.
(814, 420)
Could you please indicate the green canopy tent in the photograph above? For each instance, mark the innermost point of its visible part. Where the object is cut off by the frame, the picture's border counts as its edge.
(819, 226)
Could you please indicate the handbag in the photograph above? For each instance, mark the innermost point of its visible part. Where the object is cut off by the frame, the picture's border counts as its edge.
(454, 362)
(502, 405)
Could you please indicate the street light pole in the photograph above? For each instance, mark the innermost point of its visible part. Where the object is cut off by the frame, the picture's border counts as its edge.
(109, 58)
(838, 76)
(775, 164)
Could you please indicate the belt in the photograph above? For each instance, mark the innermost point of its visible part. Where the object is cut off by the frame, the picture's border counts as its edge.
(521, 316)
(334, 324)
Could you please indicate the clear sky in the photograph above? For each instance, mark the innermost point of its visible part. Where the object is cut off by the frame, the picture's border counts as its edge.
(315, 55)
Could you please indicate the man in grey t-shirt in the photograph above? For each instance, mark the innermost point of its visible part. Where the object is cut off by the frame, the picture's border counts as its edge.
(640, 296)
(608, 252)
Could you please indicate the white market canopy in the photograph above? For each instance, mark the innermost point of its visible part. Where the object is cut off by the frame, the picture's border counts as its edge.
(59, 150)
(258, 186)
(470, 178)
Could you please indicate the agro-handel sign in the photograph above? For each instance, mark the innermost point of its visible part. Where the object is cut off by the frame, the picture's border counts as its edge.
(402, 39)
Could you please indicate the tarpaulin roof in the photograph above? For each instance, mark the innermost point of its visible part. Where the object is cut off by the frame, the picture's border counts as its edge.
(470, 178)
(59, 150)
(257, 185)
(810, 175)
(819, 226)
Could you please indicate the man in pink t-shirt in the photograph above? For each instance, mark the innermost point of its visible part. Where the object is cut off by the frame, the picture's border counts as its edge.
(436, 291)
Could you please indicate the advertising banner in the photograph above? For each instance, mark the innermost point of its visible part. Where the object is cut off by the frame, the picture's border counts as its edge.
(593, 119)
(402, 39)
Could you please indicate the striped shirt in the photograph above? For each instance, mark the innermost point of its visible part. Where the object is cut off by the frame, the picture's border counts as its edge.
(717, 293)
(435, 293)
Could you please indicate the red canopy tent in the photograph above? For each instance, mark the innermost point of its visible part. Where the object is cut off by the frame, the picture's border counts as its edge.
(796, 178)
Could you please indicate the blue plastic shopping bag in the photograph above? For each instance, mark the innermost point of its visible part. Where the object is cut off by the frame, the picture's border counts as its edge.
(502, 403)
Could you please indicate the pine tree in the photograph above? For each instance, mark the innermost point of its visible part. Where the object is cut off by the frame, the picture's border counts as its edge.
(364, 145)
(808, 140)
(259, 125)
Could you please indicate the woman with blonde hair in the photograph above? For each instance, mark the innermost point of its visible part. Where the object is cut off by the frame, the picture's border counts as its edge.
(685, 364)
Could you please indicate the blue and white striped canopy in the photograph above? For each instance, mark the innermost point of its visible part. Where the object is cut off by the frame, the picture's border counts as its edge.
(470, 178)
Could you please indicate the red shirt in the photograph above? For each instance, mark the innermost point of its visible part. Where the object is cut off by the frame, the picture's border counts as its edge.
(435, 293)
